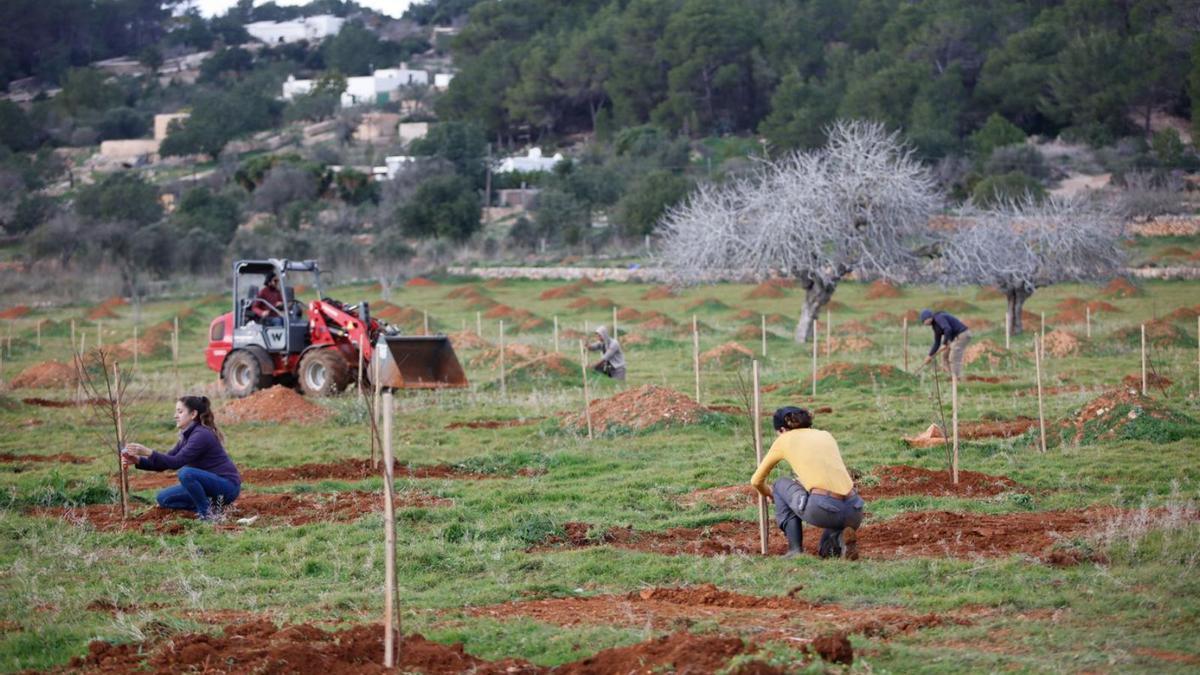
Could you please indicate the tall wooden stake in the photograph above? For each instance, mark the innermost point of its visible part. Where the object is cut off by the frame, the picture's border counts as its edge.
(954, 426)
(1042, 327)
(756, 420)
(763, 330)
(479, 324)
(815, 334)
(696, 356)
(905, 329)
(377, 408)
(425, 318)
(1007, 330)
(555, 333)
(1088, 314)
(503, 382)
(828, 333)
(1037, 360)
(389, 539)
(99, 336)
(1143, 359)
(121, 441)
(614, 322)
(135, 347)
(587, 410)
(39, 334)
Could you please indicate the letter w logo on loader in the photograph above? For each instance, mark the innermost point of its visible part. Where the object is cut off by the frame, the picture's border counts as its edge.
(275, 338)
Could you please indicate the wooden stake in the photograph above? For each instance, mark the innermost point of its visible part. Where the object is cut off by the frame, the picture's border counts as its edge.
(696, 356)
(135, 347)
(124, 470)
(99, 337)
(756, 420)
(905, 329)
(1042, 327)
(587, 410)
(954, 426)
(764, 335)
(425, 317)
(39, 334)
(503, 383)
(389, 538)
(1088, 313)
(377, 408)
(815, 334)
(73, 350)
(478, 324)
(555, 333)
(828, 334)
(1143, 359)
(614, 322)
(1007, 330)
(1037, 360)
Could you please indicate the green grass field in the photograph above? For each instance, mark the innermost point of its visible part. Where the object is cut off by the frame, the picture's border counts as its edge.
(1134, 606)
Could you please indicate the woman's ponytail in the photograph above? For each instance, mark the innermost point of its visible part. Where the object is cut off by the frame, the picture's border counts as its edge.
(204, 414)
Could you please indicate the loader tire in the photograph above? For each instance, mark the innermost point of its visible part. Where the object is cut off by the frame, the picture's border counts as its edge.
(243, 374)
(323, 372)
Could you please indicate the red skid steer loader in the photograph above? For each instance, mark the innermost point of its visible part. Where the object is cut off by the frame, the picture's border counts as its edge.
(315, 347)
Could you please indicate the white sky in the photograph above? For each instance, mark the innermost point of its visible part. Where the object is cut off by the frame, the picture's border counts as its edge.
(393, 8)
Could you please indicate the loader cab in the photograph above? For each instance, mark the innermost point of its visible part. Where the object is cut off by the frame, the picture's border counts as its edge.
(256, 322)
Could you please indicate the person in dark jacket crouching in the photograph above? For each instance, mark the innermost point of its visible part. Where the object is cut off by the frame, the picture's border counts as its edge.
(206, 474)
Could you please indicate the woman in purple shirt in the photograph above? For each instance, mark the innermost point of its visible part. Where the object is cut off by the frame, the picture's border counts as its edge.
(206, 474)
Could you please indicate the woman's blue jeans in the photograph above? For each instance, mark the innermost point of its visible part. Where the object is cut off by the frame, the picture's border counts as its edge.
(197, 490)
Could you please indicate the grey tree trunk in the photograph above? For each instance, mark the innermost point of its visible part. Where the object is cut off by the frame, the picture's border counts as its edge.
(816, 295)
(1016, 303)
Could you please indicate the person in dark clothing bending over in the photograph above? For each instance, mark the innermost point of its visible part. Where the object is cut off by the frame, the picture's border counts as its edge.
(612, 362)
(268, 296)
(951, 336)
(821, 493)
(206, 474)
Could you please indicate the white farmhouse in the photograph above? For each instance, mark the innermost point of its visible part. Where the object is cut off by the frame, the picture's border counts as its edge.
(312, 28)
(531, 162)
(377, 87)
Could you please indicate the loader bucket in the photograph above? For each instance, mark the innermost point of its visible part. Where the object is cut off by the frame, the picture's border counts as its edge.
(418, 362)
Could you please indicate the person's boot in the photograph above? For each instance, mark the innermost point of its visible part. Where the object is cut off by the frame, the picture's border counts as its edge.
(829, 548)
(795, 536)
(849, 542)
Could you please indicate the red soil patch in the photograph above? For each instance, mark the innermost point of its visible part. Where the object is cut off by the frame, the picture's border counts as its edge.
(997, 379)
(276, 404)
(979, 325)
(929, 534)
(879, 290)
(1184, 314)
(884, 317)
(14, 312)
(48, 403)
(261, 647)
(101, 312)
(989, 293)
(840, 371)
(900, 480)
(1120, 288)
(1134, 381)
(346, 470)
(668, 608)
(986, 350)
(1060, 343)
(513, 354)
(660, 322)
(493, 424)
(725, 355)
(852, 344)
(912, 315)
(659, 293)
(634, 339)
(283, 508)
(588, 303)
(852, 327)
(638, 409)
(466, 339)
(418, 282)
(465, 292)
(751, 332)
(973, 431)
(628, 314)
(501, 312)
(566, 291)
(765, 290)
(548, 365)
(45, 375)
(59, 458)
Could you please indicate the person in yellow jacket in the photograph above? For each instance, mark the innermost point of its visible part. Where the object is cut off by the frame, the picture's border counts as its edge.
(821, 494)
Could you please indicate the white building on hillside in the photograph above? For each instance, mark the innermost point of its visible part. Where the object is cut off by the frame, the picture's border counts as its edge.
(441, 81)
(312, 28)
(531, 162)
(367, 89)
(293, 87)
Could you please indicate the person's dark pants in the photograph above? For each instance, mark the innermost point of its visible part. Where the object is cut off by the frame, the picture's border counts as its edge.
(197, 490)
(834, 515)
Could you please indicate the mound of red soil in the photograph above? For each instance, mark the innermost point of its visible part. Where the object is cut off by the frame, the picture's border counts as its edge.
(659, 322)
(101, 312)
(14, 312)
(834, 648)
(765, 290)
(566, 291)
(884, 317)
(751, 332)
(59, 458)
(1184, 314)
(589, 303)
(852, 344)
(419, 282)
(900, 480)
(1160, 333)
(1120, 287)
(989, 293)
(276, 404)
(639, 408)
(680, 653)
(467, 292)
(45, 375)
(912, 315)
(1134, 381)
(513, 354)
(1060, 343)
(879, 290)
(665, 608)
(266, 509)
(659, 293)
(978, 325)
(929, 534)
(725, 355)
(710, 304)
(466, 339)
(504, 312)
(851, 327)
(987, 351)
(628, 314)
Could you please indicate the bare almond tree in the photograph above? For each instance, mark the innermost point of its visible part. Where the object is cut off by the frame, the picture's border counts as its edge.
(1023, 245)
(860, 204)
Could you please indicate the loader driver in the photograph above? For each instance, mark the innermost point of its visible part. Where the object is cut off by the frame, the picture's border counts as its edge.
(269, 296)
(821, 493)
